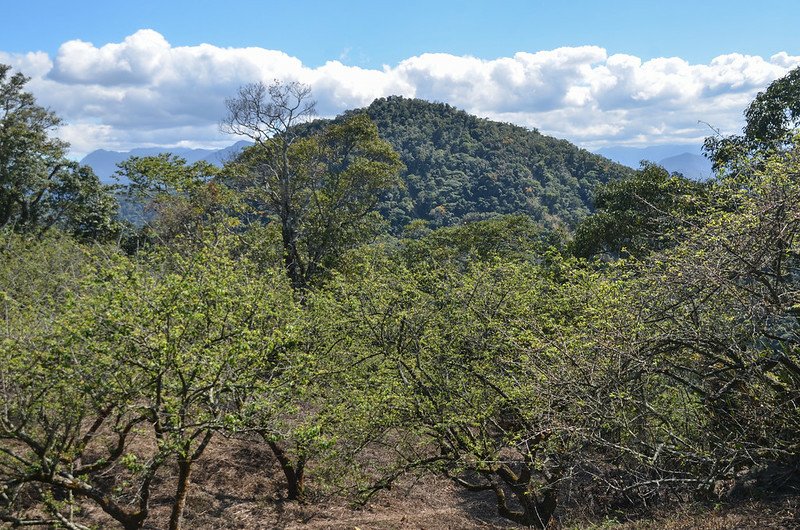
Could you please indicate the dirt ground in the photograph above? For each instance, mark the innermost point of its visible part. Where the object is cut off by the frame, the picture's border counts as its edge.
(236, 485)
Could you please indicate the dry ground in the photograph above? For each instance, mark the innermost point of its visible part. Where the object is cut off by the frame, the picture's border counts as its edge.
(236, 485)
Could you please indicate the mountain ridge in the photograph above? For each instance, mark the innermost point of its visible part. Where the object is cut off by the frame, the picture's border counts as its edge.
(104, 162)
(686, 159)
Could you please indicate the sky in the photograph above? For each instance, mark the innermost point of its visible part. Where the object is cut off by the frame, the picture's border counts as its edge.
(599, 73)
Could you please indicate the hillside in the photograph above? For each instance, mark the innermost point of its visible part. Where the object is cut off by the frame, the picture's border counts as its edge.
(463, 168)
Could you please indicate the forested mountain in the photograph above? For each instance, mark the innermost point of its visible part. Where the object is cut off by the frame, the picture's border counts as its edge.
(463, 168)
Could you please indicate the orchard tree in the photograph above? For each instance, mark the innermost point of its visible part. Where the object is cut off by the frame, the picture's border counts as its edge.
(708, 380)
(49, 412)
(39, 186)
(723, 329)
(484, 374)
(161, 349)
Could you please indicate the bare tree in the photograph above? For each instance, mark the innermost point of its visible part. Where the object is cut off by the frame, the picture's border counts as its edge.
(322, 184)
(267, 115)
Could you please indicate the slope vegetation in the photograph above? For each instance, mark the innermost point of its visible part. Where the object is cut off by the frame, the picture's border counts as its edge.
(462, 168)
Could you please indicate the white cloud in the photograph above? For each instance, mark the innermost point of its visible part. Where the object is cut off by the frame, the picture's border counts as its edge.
(144, 91)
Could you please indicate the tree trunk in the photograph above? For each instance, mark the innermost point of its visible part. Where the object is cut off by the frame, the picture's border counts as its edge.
(536, 510)
(129, 519)
(5, 211)
(294, 473)
(132, 523)
(291, 257)
(184, 476)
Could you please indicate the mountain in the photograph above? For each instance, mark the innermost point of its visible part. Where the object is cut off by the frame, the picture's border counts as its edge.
(460, 167)
(689, 165)
(632, 156)
(682, 158)
(104, 163)
(220, 156)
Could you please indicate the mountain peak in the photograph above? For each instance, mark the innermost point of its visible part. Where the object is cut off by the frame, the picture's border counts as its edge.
(460, 167)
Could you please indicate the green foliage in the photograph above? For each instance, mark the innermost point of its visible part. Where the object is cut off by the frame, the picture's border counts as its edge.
(506, 238)
(322, 190)
(468, 371)
(196, 326)
(635, 215)
(774, 114)
(39, 187)
(179, 202)
(165, 347)
(164, 174)
(710, 385)
(461, 168)
(44, 398)
(771, 118)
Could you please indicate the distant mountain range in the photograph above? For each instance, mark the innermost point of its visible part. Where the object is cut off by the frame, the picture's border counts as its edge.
(104, 163)
(682, 158)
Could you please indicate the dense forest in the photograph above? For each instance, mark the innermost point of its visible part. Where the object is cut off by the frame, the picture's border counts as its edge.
(404, 297)
(461, 168)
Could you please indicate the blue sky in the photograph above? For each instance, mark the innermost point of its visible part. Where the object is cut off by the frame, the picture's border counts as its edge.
(372, 33)
(353, 51)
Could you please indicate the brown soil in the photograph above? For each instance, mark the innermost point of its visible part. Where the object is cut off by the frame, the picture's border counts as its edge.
(237, 485)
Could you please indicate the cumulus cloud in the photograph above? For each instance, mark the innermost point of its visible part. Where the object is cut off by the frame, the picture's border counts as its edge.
(144, 91)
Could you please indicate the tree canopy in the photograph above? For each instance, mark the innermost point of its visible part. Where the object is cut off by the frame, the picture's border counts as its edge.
(772, 119)
(321, 188)
(39, 186)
